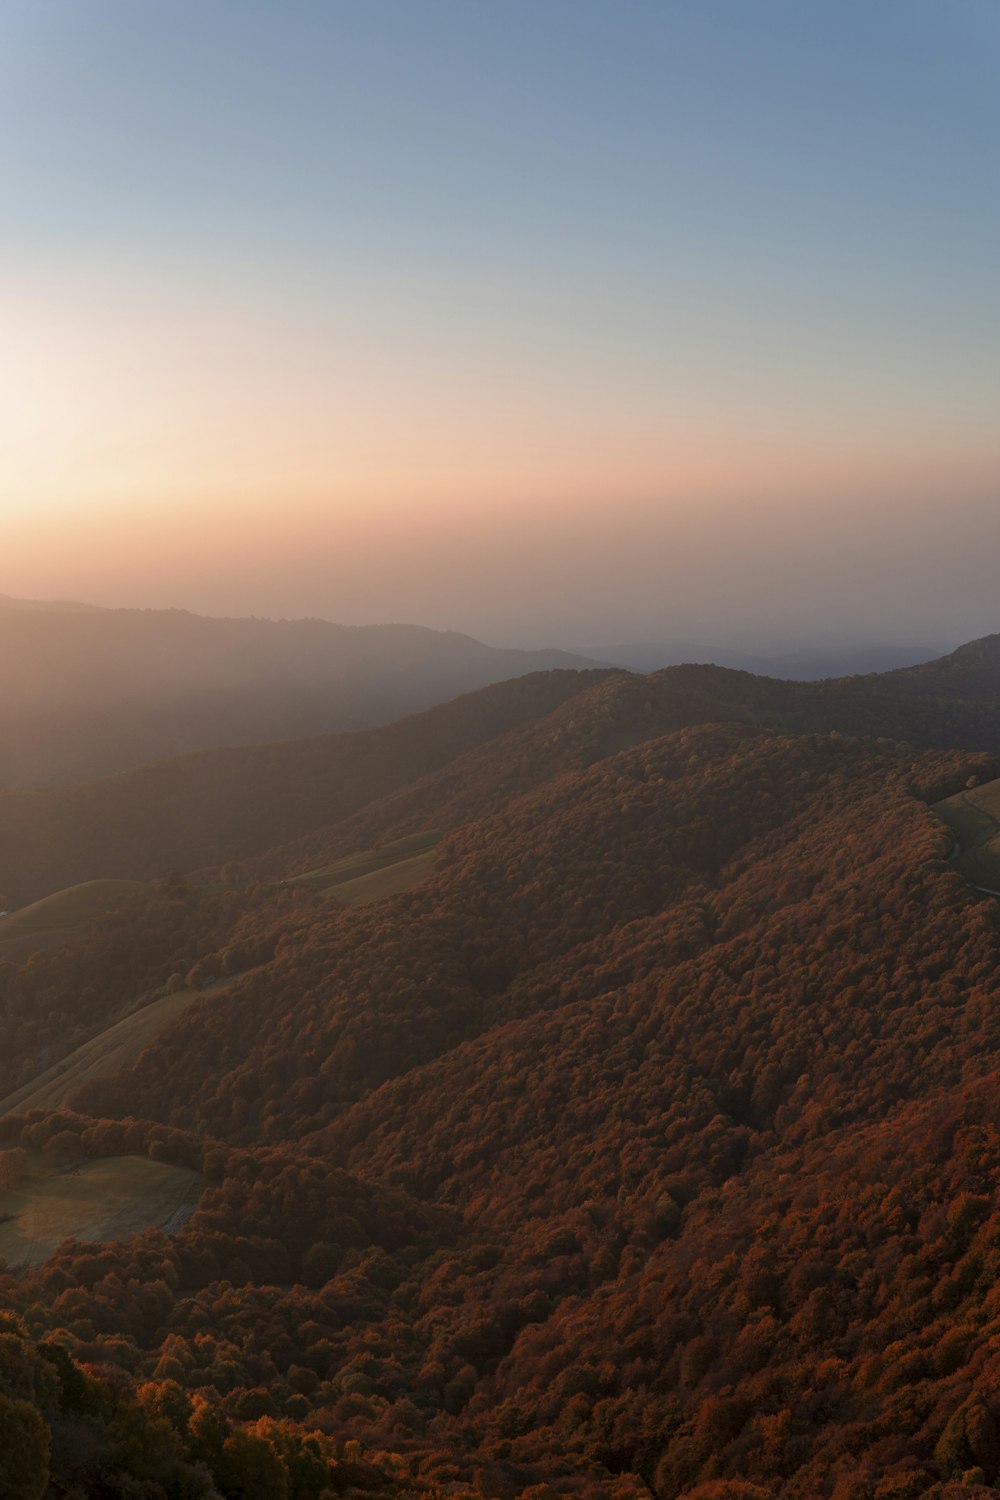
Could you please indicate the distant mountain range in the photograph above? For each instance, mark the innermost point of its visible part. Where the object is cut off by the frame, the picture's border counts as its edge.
(808, 664)
(87, 692)
(34, 606)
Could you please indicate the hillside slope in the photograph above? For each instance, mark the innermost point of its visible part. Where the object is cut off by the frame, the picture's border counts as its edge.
(221, 805)
(694, 1049)
(648, 1146)
(715, 818)
(86, 693)
(200, 811)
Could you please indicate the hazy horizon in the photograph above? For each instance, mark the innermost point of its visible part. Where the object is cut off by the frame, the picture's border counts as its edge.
(546, 323)
(638, 651)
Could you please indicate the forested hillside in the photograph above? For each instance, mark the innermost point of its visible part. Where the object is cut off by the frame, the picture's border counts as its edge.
(648, 1146)
(222, 805)
(331, 796)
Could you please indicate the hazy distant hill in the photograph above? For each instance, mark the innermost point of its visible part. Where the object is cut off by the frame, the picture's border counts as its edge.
(802, 665)
(87, 692)
(33, 606)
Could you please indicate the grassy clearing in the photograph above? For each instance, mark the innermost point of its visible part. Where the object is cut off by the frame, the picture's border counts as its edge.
(51, 920)
(108, 1053)
(390, 881)
(973, 817)
(103, 1200)
(374, 873)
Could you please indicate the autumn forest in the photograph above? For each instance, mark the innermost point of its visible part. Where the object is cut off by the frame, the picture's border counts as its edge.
(586, 1088)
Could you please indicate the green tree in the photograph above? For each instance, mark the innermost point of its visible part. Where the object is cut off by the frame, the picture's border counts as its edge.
(64, 1147)
(24, 1374)
(24, 1451)
(970, 1439)
(250, 1469)
(207, 1432)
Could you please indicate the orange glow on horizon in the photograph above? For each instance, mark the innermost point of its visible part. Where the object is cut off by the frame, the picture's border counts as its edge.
(163, 449)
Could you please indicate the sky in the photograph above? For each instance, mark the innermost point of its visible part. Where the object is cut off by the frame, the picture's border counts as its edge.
(561, 321)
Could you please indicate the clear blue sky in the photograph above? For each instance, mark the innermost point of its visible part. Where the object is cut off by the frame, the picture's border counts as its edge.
(392, 261)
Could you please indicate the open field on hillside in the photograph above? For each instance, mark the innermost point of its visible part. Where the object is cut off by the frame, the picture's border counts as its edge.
(402, 876)
(101, 1200)
(974, 818)
(113, 1049)
(375, 873)
(55, 917)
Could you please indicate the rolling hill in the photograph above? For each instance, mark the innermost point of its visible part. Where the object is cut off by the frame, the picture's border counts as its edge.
(217, 806)
(111, 1050)
(51, 921)
(329, 797)
(86, 692)
(645, 1145)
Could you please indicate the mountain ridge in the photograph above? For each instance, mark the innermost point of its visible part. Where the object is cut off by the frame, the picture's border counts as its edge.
(206, 809)
(86, 692)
